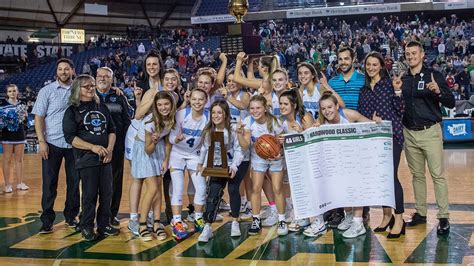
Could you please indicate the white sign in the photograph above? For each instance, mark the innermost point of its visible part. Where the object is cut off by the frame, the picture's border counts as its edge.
(343, 10)
(345, 165)
(455, 5)
(73, 36)
(96, 9)
(212, 19)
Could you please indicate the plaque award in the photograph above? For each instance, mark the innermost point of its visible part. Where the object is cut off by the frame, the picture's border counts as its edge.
(210, 169)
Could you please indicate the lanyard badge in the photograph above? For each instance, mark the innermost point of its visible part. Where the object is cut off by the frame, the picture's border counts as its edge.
(421, 83)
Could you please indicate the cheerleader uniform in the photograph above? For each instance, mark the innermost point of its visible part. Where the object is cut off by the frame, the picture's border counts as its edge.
(143, 164)
(13, 118)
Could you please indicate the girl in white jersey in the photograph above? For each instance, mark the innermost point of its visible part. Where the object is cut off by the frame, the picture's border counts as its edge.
(150, 161)
(259, 123)
(331, 113)
(279, 85)
(186, 140)
(220, 121)
(311, 88)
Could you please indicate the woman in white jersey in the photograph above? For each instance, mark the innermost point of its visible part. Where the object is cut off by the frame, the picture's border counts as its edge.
(311, 88)
(331, 113)
(186, 140)
(261, 122)
(220, 121)
(150, 160)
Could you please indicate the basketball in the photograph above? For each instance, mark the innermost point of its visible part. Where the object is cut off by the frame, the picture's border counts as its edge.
(267, 146)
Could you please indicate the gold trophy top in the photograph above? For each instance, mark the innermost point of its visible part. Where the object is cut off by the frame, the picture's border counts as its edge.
(238, 9)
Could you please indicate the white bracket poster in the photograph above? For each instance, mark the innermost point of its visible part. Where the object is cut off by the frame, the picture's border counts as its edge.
(343, 165)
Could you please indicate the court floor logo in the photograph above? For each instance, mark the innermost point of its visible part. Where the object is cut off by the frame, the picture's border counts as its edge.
(20, 239)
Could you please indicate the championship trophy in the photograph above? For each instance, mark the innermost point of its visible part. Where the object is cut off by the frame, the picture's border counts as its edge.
(217, 171)
(238, 9)
(240, 36)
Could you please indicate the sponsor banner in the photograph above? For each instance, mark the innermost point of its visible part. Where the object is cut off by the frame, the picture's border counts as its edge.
(212, 19)
(342, 10)
(73, 36)
(40, 50)
(457, 130)
(456, 5)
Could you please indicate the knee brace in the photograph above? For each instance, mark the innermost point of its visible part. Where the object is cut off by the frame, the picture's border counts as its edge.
(212, 203)
(200, 185)
(177, 178)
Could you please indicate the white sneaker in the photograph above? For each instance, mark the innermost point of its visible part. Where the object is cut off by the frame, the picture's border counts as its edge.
(235, 229)
(8, 189)
(289, 214)
(346, 222)
(219, 218)
(270, 220)
(297, 225)
(317, 228)
(206, 234)
(355, 230)
(224, 206)
(190, 218)
(282, 228)
(247, 215)
(133, 226)
(22, 186)
(265, 212)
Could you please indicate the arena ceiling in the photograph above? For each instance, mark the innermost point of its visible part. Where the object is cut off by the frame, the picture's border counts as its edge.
(55, 14)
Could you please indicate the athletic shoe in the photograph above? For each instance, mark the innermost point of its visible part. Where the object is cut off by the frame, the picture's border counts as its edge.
(73, 224)
(150, 218)
(22, 186)
(335, 218)
(265, 212)
(219, 218)
(199, 224)
(298, 225)
(88, 234)
(46, 229)
(355, 230)
(346, 222)
(247, 215)
(317, 228)
(206, 234)
(244, 206)
(115, 222)
(270, 220)
(255, 227)
(224, 206)
(282, 228)
(108, 231)
(133, 226)
(235, 229)
(179, 231)
(190, 217)
(8, 189)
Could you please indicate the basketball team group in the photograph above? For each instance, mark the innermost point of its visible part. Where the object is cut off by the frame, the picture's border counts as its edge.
(166, 137)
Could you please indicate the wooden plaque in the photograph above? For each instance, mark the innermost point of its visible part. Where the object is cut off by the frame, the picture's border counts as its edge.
(210, 169)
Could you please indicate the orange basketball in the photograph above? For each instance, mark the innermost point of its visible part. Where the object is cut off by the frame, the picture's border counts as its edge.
(267, 146)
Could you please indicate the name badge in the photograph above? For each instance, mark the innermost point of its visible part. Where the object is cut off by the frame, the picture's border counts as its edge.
(421, 85)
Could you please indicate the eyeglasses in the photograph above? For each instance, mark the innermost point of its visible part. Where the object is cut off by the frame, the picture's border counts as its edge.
(88, 87)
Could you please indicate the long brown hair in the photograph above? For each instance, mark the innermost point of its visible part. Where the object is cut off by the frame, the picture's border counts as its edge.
(295, 98)
(327, 95)
(270, 62)
(210, 127)
(161, 122)
(270, 117)
(383, 71)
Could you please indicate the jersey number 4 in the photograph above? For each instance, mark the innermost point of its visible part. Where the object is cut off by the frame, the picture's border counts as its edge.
(190, 142)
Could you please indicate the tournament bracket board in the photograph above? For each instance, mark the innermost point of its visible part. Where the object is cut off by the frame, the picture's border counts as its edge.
(343, 165)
